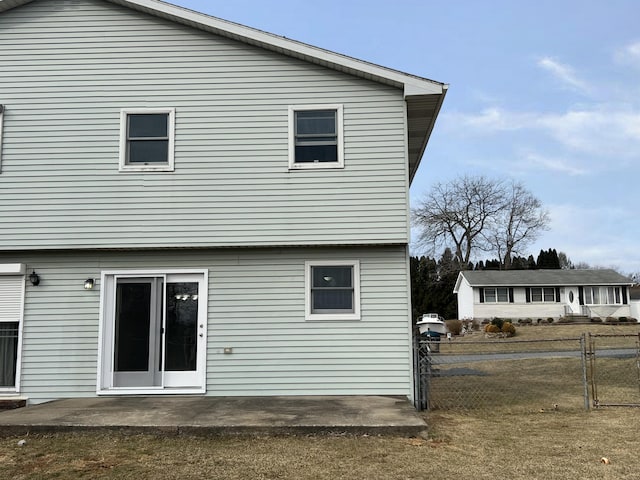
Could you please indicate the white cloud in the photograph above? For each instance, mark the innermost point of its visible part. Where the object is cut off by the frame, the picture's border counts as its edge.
(564, 73)
(554, 164)
(592, 235)
(599, 130)
(629, 54)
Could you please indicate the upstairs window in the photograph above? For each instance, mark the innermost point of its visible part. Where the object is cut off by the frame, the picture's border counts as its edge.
(315, 137)
(146, 140)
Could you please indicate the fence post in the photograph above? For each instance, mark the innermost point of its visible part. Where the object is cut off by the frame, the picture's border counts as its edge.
(585, 385)
(416, 372)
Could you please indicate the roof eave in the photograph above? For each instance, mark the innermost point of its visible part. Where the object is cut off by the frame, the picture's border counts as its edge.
(418, 145)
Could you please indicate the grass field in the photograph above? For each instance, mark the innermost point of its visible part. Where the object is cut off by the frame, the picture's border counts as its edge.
(551, 445)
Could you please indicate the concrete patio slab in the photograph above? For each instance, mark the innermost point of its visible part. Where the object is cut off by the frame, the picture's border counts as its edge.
(372, 415)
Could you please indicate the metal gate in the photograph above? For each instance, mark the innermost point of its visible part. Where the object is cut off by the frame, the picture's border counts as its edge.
(614, 370)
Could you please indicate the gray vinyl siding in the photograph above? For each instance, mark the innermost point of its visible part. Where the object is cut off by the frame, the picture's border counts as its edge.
(68, 68)
(255, 306)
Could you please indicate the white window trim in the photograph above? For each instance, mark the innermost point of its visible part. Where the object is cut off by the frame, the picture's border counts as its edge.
(292, 138)
(355, 264)
(9, 269)
(169, 166)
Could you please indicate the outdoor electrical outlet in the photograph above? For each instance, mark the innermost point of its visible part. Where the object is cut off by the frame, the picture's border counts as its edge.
(228, 350)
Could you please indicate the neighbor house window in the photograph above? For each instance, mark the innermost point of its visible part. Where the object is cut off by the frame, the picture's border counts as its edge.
(496, 295)
(544, 294)
(315, 136)
(603, 296)
(332, 290)
(147, 139)
(592, 295)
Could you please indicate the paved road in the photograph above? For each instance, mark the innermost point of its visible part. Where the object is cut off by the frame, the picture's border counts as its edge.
(447, 359)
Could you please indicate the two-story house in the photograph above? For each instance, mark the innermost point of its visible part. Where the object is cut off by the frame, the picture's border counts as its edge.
(192, 206)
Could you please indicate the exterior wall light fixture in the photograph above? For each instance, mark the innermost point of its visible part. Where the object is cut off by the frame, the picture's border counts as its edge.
(89, 283)
(34, 278)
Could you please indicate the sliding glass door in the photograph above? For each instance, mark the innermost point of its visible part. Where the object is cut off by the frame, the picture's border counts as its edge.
(155, 331)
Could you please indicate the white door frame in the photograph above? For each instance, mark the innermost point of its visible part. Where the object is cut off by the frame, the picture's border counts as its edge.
(170, 382)
(574, 305)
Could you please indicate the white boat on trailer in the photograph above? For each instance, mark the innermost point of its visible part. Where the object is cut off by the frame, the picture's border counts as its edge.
(431, 324)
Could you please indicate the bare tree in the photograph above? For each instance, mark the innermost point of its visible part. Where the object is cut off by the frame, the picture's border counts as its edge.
(459, 212)
(518, 223)
(478, 213)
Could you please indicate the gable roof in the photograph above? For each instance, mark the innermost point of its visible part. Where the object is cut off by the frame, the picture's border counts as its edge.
(546, 278)
(424, 97)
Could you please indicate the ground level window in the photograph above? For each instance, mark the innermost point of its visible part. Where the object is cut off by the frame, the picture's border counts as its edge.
(12, 288)
(546, 294)
(9, 334)
(495, 295)
(333, 290)
(603, 296)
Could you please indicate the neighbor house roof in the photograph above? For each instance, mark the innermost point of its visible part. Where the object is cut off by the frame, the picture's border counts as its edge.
(515, 278)
(424, 97)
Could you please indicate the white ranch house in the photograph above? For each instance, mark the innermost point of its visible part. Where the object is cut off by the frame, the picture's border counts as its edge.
(485, 294)
(192, 206)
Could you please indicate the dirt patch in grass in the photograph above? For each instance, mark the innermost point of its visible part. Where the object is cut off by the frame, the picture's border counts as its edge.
(550, 445)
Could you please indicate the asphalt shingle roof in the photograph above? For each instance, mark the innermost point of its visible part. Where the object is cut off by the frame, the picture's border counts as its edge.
(479, 278)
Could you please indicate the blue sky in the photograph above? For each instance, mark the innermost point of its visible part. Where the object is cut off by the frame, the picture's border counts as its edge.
(544, 92)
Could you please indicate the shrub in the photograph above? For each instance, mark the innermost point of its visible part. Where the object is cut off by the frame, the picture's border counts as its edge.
(454, 326)
(508, 328)
(475, 325)
(622, 319)
(491, 328)
(498, 322)
(539, 321)
(595, 320)
(550, 320)
(611, 320)
(633, 320)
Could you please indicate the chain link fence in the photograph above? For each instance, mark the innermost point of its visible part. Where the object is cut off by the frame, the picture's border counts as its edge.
(614, 369)
(538, 375)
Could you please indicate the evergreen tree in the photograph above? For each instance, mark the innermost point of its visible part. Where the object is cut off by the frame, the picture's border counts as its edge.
(548, 259)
